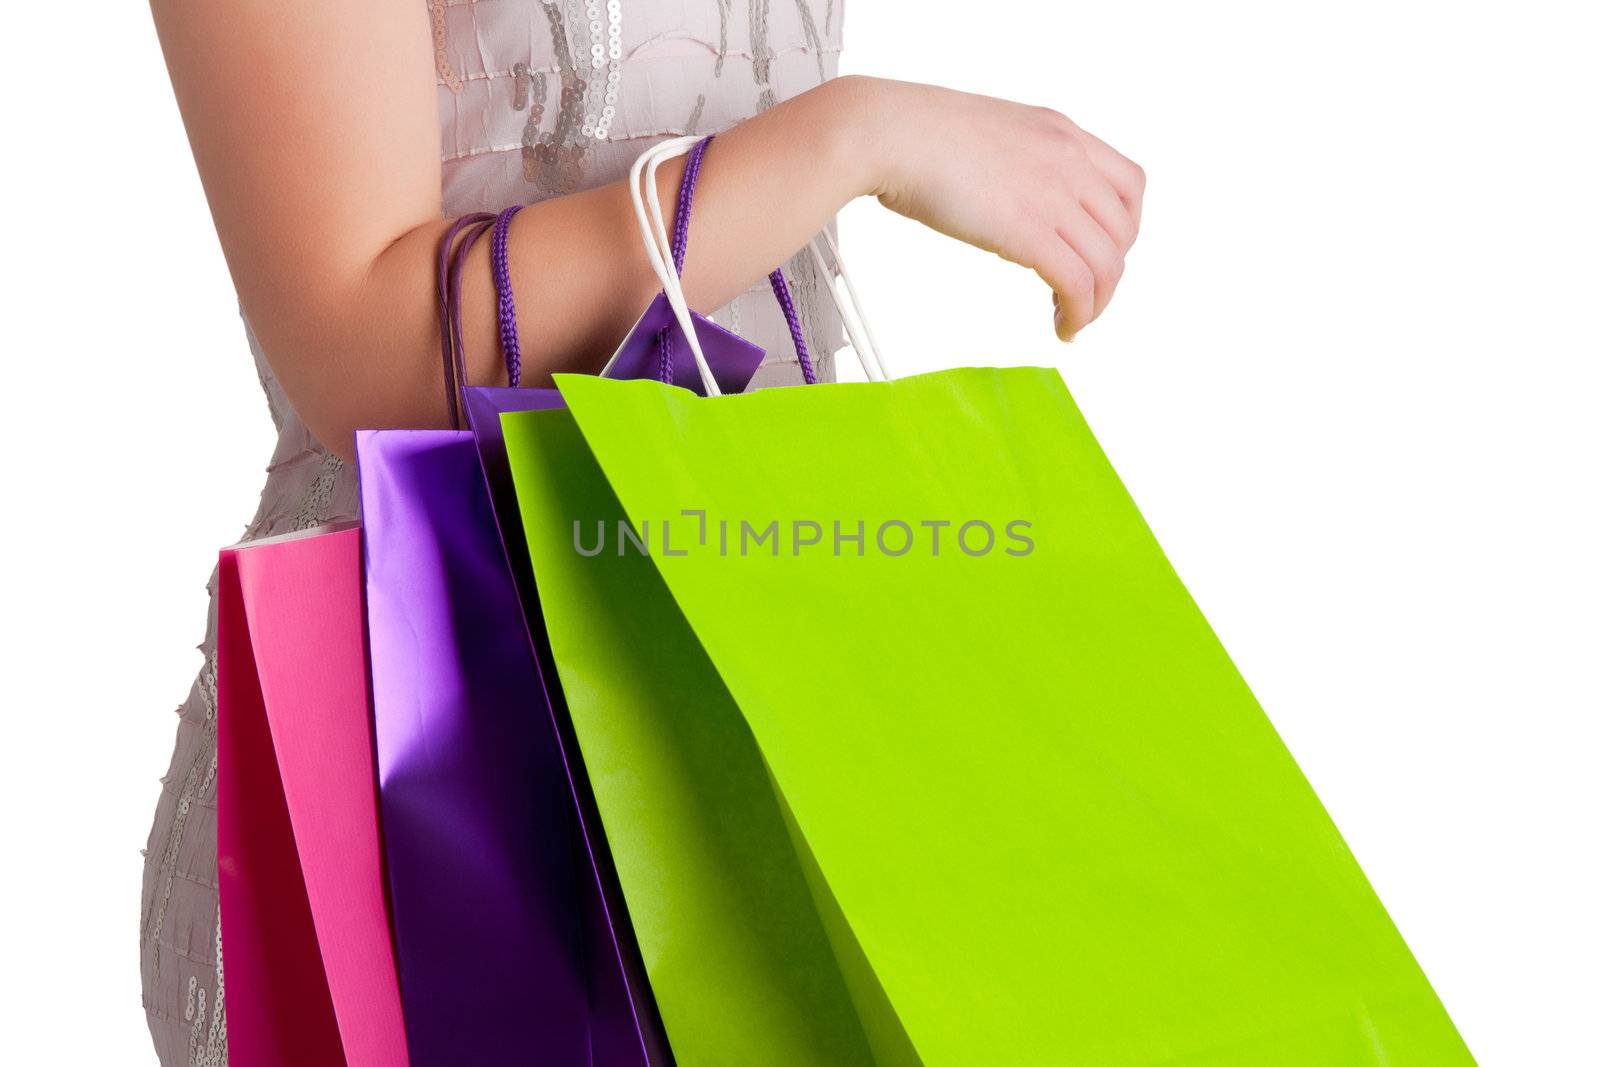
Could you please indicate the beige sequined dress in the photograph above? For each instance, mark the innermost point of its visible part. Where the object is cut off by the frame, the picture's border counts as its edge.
(536, 98)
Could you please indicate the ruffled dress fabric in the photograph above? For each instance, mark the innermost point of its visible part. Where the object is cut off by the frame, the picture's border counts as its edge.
(537, 98)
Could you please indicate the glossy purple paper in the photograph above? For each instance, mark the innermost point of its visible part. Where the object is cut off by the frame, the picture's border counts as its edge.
(504, 950)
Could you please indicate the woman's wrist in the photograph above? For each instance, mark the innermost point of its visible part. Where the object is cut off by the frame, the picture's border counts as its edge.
(858, 142)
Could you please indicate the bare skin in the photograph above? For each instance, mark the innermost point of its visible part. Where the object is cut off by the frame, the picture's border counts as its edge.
(328, 203)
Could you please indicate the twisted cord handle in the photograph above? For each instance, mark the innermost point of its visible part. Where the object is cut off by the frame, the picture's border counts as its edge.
(686, 188)
(780, 289)
(510, 343)
(680, 245)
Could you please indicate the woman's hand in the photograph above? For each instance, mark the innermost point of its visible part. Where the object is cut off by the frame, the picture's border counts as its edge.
(1023, 182)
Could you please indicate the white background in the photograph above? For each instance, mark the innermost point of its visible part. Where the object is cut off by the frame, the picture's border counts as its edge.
(1350, 377)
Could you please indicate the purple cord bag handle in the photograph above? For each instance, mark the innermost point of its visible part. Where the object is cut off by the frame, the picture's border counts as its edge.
(452, 258)
(510, 343)
(680, 245)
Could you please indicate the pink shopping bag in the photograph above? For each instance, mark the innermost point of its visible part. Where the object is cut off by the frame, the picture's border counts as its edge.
(308, 963)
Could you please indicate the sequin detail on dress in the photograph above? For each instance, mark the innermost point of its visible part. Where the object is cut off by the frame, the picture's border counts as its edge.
(724, 9)
(813, 39)
(198, 786)
(314, 507)
(208, 1044)
(441, 54)
(606, 54)
(554, 160)
(520, 79)
(761, 53)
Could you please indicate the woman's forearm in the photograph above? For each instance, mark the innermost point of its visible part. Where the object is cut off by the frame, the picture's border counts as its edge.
(578, 265)
(578, 268)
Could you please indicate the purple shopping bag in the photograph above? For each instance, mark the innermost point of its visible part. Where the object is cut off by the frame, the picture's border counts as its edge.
(497, 959)
(512, 936)
(505, 950)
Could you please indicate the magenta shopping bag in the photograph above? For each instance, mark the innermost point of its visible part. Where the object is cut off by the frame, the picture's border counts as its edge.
(307, 958)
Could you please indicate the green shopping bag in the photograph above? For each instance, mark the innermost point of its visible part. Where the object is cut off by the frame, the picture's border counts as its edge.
(1040, 817)
(910, 746)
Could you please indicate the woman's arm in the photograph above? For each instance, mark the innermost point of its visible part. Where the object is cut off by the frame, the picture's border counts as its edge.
(315, 129)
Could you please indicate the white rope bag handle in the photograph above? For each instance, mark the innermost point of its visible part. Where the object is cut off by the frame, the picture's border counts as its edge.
(658, 248)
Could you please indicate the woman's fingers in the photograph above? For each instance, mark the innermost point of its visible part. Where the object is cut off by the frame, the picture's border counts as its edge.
(1125, 176)
(1107, 208)
(1092, 234)
(1098, 250)
(1071, 279)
